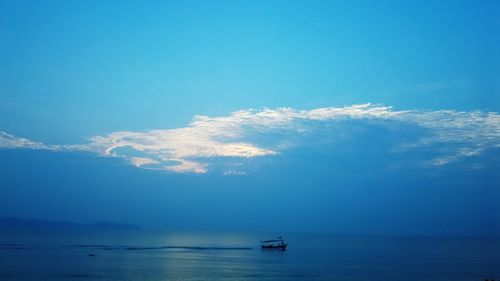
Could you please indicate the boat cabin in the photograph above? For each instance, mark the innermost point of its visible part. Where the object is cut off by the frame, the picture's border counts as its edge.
(276, 244)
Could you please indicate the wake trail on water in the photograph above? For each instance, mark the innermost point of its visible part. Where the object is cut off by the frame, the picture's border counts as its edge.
(105, 247)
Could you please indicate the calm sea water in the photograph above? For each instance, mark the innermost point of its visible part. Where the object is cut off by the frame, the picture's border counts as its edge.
(140, 255)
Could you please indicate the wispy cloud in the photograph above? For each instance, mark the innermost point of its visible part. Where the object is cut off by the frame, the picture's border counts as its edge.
(142, 161)
(194, 147)
(466, 134)
(10, 141)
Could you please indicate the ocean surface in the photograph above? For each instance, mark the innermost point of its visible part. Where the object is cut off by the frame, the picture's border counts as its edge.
(141, 255)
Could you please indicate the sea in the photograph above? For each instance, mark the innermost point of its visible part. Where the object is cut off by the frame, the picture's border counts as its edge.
(139, 255)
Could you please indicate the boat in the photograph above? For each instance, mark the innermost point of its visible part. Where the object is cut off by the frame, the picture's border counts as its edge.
(276, 244)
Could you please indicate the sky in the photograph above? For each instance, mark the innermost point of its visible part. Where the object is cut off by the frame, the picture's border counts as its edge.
(307, 116)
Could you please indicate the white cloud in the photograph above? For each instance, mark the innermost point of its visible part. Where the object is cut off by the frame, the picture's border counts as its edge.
(185, 166)
(193, 148)
(142, 161)
(10, 141)
(470, 133)
(234, 173)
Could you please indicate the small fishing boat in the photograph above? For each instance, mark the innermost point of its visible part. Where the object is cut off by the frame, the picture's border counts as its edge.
(276, 244)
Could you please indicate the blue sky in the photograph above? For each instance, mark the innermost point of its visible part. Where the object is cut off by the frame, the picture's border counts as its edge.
(351, 111)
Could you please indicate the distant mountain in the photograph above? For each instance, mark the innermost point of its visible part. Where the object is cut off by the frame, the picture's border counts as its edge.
(38, 223)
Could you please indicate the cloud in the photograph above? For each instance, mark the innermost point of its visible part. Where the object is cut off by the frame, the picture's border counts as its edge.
(234, 173)
(466, 134)
(186, 166)
(142, 161)
(10, 141)
(192, 149)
